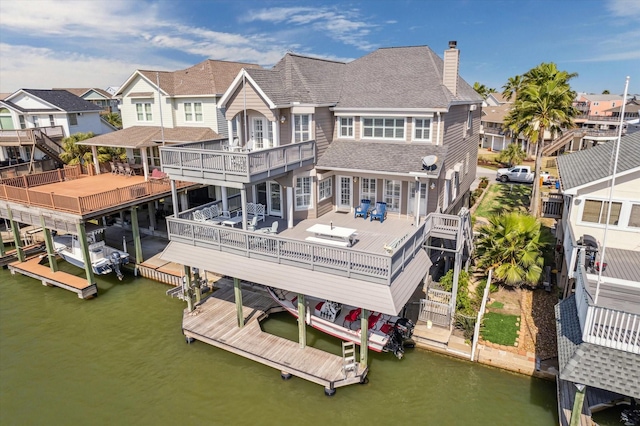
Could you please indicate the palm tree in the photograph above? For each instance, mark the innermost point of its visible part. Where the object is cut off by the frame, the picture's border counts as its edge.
(512, 244)
(513, 86)
(543, 104)
(75, 153)
(114, 119)
(482, 90)
(512, 155)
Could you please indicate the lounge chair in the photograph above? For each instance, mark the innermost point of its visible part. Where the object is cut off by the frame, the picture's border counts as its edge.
(363, 209)
(272, 230)
(351, 317)
(114, 169)
(380, 212)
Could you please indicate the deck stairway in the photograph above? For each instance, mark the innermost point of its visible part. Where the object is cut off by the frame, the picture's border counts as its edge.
(48, 145)
(560, 142)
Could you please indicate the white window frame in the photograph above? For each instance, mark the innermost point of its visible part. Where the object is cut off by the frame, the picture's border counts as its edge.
(191, 114)
(367, 193)
(300, 195)
(391, 199)
(469, 119)
(422, 129)
(348, 127)
(633, 204)
(144, 112)
(298, 131)
(52, 121)
(325, 189)
(603, 213)
(22, 121)
(380, 123)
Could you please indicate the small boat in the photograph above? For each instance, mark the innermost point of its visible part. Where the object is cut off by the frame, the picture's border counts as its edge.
(104, 259)
(386, 333)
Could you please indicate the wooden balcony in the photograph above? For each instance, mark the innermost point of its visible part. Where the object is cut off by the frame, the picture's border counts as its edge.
(366, 260)
(29, 136)
(552, 205)
(209, 162)
(68, 190)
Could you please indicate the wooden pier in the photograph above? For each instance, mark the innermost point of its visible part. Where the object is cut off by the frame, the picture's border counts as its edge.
(32, 268)
(214, 321)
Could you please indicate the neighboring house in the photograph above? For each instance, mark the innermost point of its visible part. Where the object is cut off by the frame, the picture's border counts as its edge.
(493, 135)
(100, 97)
(631, 114)
(41, 118)
(308, 140)
(595, 121)
(599, 325)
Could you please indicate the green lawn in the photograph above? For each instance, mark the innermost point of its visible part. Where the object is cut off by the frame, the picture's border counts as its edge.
(504, 197)
(500, 328)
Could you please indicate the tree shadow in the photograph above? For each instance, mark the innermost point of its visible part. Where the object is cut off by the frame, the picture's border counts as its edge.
(512, 197)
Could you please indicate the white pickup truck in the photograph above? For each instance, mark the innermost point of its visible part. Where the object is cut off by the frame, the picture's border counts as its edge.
(519, 174)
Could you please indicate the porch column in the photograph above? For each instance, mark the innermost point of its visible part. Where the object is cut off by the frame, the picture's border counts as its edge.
(136, 235)
(196, 283)
(454, 291)
(15, 229)
(225, 199)
(364, 338)
(237, 291)
(243, 201)
(2, 251)
(151, 208)
(145, 163)
(51, 254)
(276, 132)
(96, 163)
(230, 129)
(186, 287)
(184, 201)
(302, 316)
(289, 207)
(578, 402)
(174, 198)
(84, 247)
(417, 202)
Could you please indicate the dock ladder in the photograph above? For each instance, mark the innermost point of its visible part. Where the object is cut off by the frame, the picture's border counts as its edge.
(349, 362)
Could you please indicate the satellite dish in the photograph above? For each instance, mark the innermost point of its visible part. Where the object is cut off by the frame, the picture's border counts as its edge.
(429, 162)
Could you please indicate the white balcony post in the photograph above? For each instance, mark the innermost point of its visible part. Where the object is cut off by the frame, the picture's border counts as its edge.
(243, 200)
(225, 199)
(230, 129)
(276, 133)
(96, 163)
(145, 163)
(289, 207)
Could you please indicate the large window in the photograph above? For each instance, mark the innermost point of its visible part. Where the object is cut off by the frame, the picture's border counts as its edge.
(634, 216)
(368, 190)
(392, 194)
(143, 111)
(422, 129)
(325, 189)
(384, 128)
(193, 111)
(301, 127)
(303, 192)
(596, 212)
(346, 127)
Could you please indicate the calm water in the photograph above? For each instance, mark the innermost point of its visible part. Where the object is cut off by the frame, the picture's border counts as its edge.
(122, 359)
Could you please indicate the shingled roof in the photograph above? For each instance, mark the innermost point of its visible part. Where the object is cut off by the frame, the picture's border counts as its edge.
(593, 164)
(83, 90)
(400, 158)
(589, 364)
(61, 100)
(141, 136)
(206, 78)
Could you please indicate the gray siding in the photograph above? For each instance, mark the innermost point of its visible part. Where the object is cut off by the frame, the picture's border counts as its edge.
(324, 123)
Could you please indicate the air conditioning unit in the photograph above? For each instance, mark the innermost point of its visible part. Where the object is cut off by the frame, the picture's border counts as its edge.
(473, 107)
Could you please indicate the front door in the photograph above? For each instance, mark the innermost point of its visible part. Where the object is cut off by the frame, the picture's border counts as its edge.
(345, 185)
(274, 204)
(411, 207)
(258, 132)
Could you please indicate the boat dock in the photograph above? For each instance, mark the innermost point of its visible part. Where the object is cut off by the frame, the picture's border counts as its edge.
(214, 322)
(32, 268)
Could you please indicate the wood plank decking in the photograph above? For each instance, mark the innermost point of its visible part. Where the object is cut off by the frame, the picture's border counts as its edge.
(32, 268)
(214, 322)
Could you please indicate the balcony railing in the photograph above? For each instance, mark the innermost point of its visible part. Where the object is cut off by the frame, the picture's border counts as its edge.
(552, 205)
(28, 136)
(204, 161)
(605, 326)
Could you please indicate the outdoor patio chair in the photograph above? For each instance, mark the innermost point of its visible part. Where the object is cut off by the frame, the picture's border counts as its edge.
(198, 216)
(351, 317)
(251, 225)
(128, 171)
(272, 230)
(380, 212)
(373, 320)
(363, 209)
(114, 169)
(121, 170)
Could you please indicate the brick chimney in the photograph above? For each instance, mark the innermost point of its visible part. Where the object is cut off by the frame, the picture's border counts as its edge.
(451, 67)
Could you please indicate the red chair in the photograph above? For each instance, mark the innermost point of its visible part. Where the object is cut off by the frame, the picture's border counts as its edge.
(351, 317)
(386, 328)
(373, 320)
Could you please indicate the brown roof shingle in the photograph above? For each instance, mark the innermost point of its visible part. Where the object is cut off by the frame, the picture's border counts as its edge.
(141, 136)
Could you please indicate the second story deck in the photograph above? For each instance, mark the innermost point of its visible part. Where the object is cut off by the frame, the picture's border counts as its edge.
(215, 162)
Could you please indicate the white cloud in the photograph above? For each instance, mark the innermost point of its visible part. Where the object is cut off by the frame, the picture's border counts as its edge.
(624, 9)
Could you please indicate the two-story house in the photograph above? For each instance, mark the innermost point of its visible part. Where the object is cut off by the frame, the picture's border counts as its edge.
(599, 325)
(311, 139)
(31, 119)
(595, 121)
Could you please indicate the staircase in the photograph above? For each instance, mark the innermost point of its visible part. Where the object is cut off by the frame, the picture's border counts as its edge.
(48, 146)
(349, 362)
(562, 141)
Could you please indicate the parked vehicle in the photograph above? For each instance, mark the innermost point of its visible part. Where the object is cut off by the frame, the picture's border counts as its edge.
(519, 174)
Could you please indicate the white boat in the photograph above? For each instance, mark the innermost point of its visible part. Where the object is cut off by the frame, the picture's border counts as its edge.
(386, 333)
(104, 259)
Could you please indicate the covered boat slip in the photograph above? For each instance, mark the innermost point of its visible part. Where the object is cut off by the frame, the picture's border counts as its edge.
(215, 322)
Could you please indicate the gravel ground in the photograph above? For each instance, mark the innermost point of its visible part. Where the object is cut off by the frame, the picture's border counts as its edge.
(539, 323)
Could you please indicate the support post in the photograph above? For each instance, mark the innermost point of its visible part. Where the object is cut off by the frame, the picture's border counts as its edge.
(454, 291)
(237, 292)
(184, 201)
(578, 402)
(225, 198)
(151, 208)
(302, 316)
(289, 207)
(196, 284)
(145, 162)
(51, 253)
(364, 338)
(174, 197)
(15, 229)
(96, 163)
(84, 247)
(1, 247)
(243, 201)
(186, 285)
(417, 202)
(136, 235)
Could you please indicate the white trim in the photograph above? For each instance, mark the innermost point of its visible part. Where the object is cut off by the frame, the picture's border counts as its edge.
(353, 127)
(311, 195)
(373, 137)
(413, 130)
(222, 103)
(136, 72)
(388, 111)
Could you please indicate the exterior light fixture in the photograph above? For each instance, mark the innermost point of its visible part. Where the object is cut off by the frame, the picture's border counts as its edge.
(283, 119)
(432, 186)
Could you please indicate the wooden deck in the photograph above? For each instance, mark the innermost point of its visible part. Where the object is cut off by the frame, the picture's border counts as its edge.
(32, 268)
(214, 322)
(566, 393)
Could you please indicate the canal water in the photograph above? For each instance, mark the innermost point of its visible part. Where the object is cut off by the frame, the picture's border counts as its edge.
(121, 359)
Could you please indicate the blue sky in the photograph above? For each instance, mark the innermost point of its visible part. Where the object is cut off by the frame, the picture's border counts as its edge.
(82, 43)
